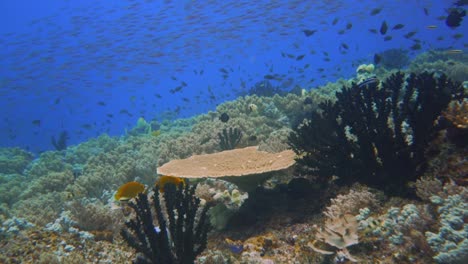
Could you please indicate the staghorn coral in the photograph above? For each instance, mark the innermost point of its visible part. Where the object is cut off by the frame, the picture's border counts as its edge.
(377, 136)
(457, 113)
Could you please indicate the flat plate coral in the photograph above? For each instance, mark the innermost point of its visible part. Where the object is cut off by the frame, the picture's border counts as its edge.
(236, 162)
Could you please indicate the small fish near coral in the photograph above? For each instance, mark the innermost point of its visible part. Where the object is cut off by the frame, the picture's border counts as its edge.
(164, 180)
(129, 190)
(224, 117)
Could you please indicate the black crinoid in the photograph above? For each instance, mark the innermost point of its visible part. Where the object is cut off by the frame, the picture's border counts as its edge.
(376, 135)
(181, 233)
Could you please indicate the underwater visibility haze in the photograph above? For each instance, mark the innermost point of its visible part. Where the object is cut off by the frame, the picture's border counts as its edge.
(143, 131)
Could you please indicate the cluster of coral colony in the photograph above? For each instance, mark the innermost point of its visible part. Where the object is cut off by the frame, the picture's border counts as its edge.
(367, 170)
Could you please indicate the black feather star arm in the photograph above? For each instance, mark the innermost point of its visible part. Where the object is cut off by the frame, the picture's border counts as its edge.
(376, 135)
(182, 233)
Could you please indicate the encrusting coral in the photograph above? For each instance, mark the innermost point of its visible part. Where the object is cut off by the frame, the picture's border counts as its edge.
(179, 238)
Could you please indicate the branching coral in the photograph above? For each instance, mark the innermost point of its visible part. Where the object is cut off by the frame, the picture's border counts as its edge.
(179, 238)
(224, 197)
(96, 218)
(457, 113)
(350, 203)
(131, 160)
(399, 232)
(451, 241)
(377, 136)
(14, 160)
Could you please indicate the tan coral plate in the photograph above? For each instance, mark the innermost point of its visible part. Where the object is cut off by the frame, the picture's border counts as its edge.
(236, 162)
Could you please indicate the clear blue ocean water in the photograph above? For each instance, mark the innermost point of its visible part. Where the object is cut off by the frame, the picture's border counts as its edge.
(93, 67)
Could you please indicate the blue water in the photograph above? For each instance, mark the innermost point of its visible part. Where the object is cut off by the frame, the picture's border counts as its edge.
(93, 67)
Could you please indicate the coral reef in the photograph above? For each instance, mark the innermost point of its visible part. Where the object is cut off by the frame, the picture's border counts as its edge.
(136, 159)
(350, 203)
(79, 154)
(179, 238)
(98, 219)
(339, 233)
(49, 161)
(52, 182)
(277, 141)
(141, 128)
(11, 186)
(224, 198)
(14, 160)
(40, 246)
(40, 209)
(451, 241)
(400, 135)
(399, 233)
(442, 62)
(377, 136)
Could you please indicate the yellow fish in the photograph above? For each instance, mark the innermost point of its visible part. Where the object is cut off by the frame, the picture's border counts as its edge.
(129, 190)
(163, 180)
